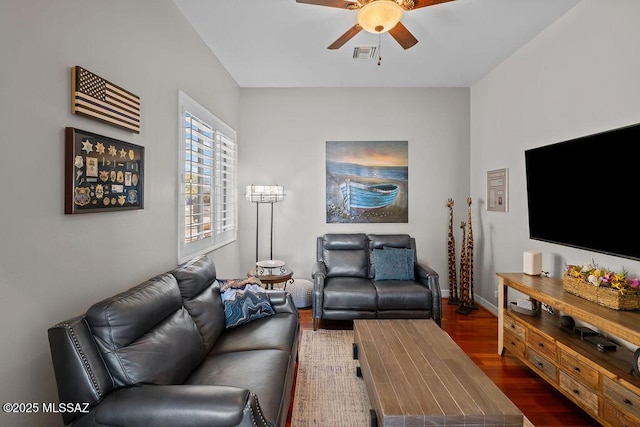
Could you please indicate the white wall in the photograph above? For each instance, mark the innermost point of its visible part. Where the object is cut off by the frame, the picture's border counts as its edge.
(578, 77)
(53, 266)
(284, 134)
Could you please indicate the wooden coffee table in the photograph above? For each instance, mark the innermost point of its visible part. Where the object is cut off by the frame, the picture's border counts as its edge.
(416, 375)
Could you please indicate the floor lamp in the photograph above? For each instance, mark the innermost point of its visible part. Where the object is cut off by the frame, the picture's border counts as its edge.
(264, 194)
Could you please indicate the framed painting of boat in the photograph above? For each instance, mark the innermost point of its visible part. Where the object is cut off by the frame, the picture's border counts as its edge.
(367, 182)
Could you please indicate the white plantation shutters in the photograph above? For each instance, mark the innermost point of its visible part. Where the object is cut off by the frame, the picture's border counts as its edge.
(208, 195)
(225, 185)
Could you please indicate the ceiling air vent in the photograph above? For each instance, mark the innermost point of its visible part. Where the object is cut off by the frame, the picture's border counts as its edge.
(364, 53)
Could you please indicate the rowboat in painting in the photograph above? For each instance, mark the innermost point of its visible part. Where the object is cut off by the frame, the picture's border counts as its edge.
(368, 196)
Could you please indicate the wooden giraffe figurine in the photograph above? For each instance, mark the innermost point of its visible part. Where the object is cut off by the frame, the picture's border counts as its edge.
(464, 307)
(472, 301)
(451, 257)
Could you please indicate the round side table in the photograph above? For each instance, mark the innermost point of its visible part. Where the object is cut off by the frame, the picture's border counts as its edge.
(270, 275)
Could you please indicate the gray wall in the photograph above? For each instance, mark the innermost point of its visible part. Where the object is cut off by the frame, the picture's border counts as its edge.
(284, 134)
(53, 266)
(578, 77)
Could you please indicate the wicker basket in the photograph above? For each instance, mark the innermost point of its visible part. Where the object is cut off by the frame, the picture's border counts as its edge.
(607, 297)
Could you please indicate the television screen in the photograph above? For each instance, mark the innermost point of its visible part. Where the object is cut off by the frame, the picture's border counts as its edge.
(584, 192)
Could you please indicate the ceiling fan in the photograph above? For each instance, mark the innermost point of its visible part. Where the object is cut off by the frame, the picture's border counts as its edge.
(377, 16)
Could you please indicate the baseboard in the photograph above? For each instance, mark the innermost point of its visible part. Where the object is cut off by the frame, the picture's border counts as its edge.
(486, 304)
(478, 299)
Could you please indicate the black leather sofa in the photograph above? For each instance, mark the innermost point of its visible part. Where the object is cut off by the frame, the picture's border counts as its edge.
(345, 284)
(158, 354)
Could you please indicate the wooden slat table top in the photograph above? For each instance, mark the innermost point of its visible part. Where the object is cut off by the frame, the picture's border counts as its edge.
(416, 375)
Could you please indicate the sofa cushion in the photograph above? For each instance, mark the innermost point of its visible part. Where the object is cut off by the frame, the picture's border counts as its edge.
(275, 332)
(245, 304)
(345, 255)
(379, 241)
(201, 297)
(145, 335)
(264, 372)
(349, 293)
(403, 295)
(207, 311)
(335, 241)
(194, 276)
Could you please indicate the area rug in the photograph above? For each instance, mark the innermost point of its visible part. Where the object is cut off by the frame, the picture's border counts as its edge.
(328, 392)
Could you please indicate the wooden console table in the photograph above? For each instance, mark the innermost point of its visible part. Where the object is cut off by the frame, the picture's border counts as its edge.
(602, 383)
(416, 375)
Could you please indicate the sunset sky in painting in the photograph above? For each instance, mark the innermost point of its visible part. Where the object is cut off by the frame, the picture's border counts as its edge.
(368, 153)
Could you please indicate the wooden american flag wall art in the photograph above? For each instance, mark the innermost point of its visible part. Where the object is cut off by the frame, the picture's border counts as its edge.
(93, 96)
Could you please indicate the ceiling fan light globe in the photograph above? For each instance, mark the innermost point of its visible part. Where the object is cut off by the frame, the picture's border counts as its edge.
(379, 16)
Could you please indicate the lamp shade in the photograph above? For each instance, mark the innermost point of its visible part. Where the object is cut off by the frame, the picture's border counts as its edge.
(264, 193)
(379, 16)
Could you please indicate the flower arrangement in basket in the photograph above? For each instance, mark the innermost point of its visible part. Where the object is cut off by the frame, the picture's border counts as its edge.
(605, 287)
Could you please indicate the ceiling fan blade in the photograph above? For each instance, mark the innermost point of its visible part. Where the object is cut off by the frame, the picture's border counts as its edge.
(331, 3)
(417, 4)
(345, 37)
(403, 36)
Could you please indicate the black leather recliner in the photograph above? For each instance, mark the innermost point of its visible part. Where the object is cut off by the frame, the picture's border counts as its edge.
(158, 354)
(345, 288)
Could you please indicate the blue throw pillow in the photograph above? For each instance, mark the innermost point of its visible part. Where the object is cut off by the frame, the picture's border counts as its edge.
(409, 256)
(394, 264)
(244, 304)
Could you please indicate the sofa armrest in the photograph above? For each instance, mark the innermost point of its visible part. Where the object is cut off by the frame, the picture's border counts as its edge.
(318, 273)
(319, 268)
(281, 301)
(430, 278)
(180, 405)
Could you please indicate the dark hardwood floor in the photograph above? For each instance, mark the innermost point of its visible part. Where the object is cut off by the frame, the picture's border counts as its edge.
(477, 335)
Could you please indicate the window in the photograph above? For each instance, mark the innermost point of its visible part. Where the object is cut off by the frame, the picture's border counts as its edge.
(208, 194)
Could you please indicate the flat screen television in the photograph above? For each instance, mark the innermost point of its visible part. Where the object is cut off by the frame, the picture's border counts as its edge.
(585, 192)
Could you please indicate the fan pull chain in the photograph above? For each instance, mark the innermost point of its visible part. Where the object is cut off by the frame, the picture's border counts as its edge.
(379, 49)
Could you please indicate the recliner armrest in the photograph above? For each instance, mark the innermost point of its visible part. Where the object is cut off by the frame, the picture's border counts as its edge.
(318, 273)
(425, 272)
(319, 268)
(430, 277)
(180, 405)
(281, 301)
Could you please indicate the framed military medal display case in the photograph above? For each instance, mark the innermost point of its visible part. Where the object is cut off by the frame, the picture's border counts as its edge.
(102, 174)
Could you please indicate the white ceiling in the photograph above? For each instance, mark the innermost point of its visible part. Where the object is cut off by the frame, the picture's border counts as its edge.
(281, 43)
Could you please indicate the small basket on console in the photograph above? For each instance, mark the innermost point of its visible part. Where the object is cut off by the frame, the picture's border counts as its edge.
(525, 306)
